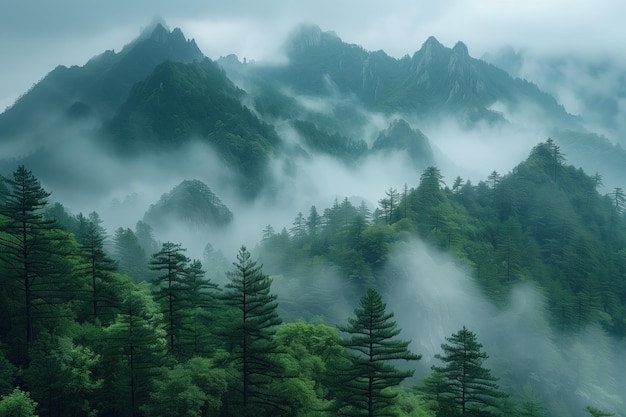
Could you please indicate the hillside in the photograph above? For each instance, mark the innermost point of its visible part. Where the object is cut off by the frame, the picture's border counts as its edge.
(540, 232)
(93, 91)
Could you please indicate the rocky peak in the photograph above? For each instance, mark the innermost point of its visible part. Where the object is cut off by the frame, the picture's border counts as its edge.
(157, 25)
(431, 47)
(460, 49)
(308, 36)
(160, 34)
(177, 36)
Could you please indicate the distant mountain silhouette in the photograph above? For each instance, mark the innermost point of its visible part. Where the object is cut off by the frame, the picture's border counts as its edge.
(95, 89)
(435, 80)
(160, 93)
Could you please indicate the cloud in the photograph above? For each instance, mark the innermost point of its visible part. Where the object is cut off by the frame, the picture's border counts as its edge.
(433, 296)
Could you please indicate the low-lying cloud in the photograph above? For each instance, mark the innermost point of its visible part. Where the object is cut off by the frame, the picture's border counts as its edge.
(433, 296)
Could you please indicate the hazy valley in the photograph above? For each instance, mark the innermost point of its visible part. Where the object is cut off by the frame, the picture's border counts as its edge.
(464, 195)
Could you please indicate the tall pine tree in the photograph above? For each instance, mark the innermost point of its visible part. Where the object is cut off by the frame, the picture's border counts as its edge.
(169, 288)
(469, 388)
(363, 388)
(33, 258)
(250, 333)
(98, 267)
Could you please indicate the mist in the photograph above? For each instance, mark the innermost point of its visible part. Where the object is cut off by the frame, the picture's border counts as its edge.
(433, 296)
(474, 153)
(592, 86)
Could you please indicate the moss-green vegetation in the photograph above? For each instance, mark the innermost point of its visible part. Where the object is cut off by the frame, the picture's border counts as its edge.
(82, 339)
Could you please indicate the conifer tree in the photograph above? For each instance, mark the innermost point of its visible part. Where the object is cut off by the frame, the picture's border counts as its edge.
(169, 288)
(469, 388)
(200, 305)
(99, 266)
(313, 223)
(31, 250)
(134, 353)
(363, 384)
(130, 255)
(250, 333)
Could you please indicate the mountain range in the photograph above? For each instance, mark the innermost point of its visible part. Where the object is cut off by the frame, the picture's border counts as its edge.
(214, 153)
(160, 92)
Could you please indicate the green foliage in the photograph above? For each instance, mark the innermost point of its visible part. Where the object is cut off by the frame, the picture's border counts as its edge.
(135, 351)
(308, 352)
(248, 334)
(311, 352)
(399, 136)
(193, 203)
(98, 267)
(99, 346)
(363, 386)
(595, 412)
(185, 299)
(332, 144)
(17, 404)
(181, 102)
(7, 374)
(468, 387)
(168, 288)
(60, 376)
(193, 388)
(130, 255)
(36, 261)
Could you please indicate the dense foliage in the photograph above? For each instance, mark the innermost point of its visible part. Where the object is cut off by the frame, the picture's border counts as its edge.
(149, 334)
(179, 103)
(191, 202)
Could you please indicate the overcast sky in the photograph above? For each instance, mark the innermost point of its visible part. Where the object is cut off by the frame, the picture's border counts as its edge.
(37, 35)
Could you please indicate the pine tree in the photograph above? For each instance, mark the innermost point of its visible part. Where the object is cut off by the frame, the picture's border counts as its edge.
(363, 388)
(469, 388)
(250, 331)
(32, 251)
(134, 353)
(130, 255)
(200, 305)
(313, 223)
(169, 288)
(99, 266)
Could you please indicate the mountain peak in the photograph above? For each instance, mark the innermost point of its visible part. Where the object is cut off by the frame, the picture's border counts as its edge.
(160, 34)
(172, 42)
(431, 49)
(306, 36)
(156, 26)
(432, 43)
(460, 48)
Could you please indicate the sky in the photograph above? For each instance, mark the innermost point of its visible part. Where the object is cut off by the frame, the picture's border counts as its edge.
(37, 35)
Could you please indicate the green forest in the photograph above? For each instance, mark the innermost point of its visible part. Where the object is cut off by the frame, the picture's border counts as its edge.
(123, 325)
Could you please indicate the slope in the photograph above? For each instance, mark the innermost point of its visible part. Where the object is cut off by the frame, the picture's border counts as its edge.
(92, 91)
(435, 80)
(178, 103)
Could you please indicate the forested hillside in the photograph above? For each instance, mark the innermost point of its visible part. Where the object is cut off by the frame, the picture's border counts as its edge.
(182, 236)
(90, 329)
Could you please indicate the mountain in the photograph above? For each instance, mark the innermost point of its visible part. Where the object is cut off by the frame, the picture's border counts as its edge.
(433, 86)
(92, 91)
(436, 80)
(181, 102)
(160, 94)
(401, 137)
(594, 88)
(533, 259)
(191, 203)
